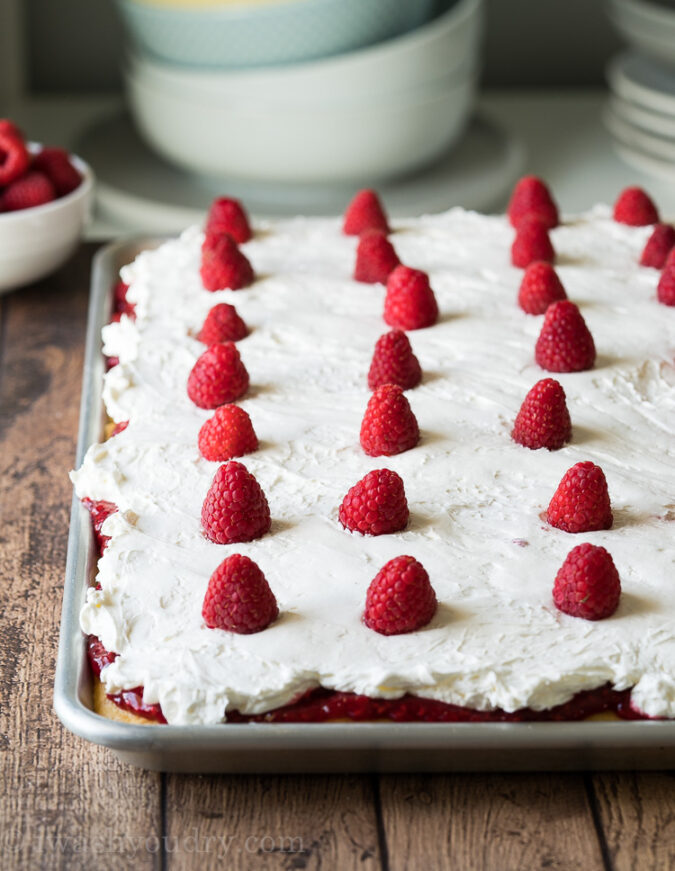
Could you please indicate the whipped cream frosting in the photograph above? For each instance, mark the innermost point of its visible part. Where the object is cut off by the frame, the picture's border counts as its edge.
(476, 498)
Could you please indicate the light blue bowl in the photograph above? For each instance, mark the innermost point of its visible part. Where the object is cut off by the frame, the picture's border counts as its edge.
(236, 37)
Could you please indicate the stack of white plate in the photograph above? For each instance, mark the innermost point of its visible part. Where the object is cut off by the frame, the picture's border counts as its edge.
(641, 113)
(648, 26)
(365, 115)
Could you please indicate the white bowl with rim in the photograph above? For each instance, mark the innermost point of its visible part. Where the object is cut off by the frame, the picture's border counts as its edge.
(35, 242)
(361, 142)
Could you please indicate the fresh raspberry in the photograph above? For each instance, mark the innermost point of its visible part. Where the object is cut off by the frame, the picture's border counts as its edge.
(543, 420)
(410, 303)
(99, 512)
(635, 208)
(235, 508)
(227, 215)
(238, 597)
(32, 189)
(119, 427)
(55, 164)
(223, 264)
(365, 212)
(539, 288)
(531, 198)
(389, 425)
(670, 260)
(375, 258)
(565, 343)
(532, 243)
(581, 502)
(587, 584)
(14, 157)
(9, 128)
(217, 377)
(222, 324)
(394, 362)
(665, 290)
(376, 504)
(400, 598)
(121, 305)
(659, 245)
(229, 433)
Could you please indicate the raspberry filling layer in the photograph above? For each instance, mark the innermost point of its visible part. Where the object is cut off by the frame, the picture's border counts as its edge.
(320, 705)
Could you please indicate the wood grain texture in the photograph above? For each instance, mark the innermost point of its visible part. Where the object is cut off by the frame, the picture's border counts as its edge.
(495, 822)
(311, 822)
(66, 804)
(637, 814)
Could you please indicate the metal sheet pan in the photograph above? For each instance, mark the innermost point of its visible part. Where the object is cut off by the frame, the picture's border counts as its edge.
(294, 747)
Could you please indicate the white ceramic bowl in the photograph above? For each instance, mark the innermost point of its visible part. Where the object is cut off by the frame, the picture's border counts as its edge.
(430, 53)
(337, 141)
(35, 242)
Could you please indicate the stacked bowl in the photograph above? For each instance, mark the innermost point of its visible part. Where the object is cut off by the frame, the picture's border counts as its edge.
(389, 93)
(641, 111)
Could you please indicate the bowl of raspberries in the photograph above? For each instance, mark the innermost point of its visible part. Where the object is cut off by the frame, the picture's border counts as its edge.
(45, 196)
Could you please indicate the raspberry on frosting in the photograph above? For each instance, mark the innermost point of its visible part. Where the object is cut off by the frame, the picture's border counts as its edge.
(389, 426)
(375, 258)
(635, 208)
(532, 199)
(222, 324)
(539, 287)
(224, 266)
(218, 376)
(400, 598)
(543, 420)
(665, 291)
(235, 508)
(410, 303)
(658, 246)
(376, 504)
(581, 502)
(238, 597)
(365, 212)
(228, 434)
(227, 215)
(587, 584)
(565, 343)
(531, 243)
(394, 362)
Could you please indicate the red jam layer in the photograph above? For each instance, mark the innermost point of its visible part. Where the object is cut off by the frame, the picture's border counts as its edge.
(320, 705)
(99, 511)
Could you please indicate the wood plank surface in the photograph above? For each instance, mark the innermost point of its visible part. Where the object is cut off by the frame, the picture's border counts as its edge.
(637, 814)
(65, 804)
(493, 822)
(285, 822)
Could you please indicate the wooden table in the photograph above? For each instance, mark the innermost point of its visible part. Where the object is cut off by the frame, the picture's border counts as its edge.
(68, 804)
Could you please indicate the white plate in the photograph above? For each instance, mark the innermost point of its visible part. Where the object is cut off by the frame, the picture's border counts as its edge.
(640, 81)
(637, 149)
(644, 119)
(652, 36)
(660, 147)
(139, 192)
